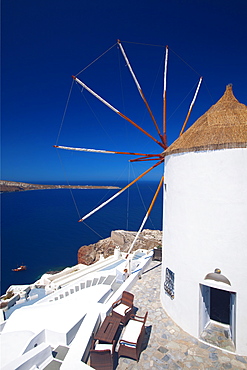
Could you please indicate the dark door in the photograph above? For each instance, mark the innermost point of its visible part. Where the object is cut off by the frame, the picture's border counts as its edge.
(220, 305)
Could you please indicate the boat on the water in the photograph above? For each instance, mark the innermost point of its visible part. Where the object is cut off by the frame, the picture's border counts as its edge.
(20, 268)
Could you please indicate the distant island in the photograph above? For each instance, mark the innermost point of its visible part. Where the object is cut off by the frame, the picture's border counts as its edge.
(10, 186)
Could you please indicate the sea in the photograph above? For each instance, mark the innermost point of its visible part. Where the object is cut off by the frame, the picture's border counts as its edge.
(40, 228)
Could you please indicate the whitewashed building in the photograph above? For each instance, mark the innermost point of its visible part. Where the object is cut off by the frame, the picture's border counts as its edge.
(205, 223)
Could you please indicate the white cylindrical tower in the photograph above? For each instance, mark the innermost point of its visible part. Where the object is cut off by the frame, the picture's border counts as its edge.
(205, 223)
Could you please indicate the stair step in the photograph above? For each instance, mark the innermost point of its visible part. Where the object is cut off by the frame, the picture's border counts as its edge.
(60, 352)
(53, 365)
(109, 279)
(88, 283)
(101, 279)
(95, 280)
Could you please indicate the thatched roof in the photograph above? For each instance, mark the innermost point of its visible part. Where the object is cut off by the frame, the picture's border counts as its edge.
(224, 125)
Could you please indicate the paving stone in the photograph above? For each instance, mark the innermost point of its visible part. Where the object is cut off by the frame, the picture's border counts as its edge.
(173, 345)
(213, 356)
(157, 361)
(166, 358)
(241, 359)
(223, 359)
(203, 345)
(227, 365)
(162, 349)
(146, 365)
(198, 359)
(238, 364)
(158, 355)
(174, 366)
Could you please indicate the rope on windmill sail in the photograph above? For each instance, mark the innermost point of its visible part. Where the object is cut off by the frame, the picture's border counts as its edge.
(193, 87)
(66, 179)
(64, 113)
(95, 115)
(95, 60)
(92, 229)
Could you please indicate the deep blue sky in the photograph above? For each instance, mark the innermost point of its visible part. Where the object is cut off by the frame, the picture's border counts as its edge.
(45, 42)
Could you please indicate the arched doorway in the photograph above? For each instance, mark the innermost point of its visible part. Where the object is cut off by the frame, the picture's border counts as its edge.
(217, 317)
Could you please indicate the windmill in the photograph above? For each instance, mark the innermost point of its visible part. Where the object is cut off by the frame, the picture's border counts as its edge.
(205, 211)
(204, 231)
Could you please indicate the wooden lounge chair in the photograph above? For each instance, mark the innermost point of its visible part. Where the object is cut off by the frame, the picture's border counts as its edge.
(123, 308)
(102, 355)
(131, 342)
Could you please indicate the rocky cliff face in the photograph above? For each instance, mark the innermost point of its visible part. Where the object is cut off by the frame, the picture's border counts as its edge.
(148, 239)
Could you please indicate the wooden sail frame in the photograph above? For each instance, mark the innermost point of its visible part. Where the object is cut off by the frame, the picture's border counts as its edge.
(163, 137)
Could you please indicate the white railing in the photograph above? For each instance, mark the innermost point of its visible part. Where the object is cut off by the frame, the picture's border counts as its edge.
(69, 275)
(78, 286)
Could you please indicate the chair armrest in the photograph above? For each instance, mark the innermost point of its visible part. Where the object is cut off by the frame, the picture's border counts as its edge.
(116, 303)
(127, 310)
(139, 318)
(122, 341)
(114, 343)
(93, 341)
(93, 352)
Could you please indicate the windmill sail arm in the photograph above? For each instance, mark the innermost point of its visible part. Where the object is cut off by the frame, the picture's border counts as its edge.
(119, 192)
(165, 70)
(197, 90)
(100, 151)
(95, 94)
(146, 216)
(83, 149)
(139, 88)
(101, 205)
(191, 106)
(129, 66)
(164, 96)
(137, 235)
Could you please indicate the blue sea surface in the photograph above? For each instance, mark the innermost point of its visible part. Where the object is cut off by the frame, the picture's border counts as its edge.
(40, 228)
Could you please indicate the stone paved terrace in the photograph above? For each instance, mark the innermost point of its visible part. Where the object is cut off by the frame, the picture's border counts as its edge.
(166, 345)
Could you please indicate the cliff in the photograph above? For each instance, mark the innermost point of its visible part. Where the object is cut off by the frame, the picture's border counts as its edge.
(148, 239)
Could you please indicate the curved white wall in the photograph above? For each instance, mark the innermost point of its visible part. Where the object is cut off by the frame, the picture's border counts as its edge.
(205, 227)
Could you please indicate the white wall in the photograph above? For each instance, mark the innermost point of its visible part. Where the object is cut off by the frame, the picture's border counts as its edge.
(35, 356)
(205, 214)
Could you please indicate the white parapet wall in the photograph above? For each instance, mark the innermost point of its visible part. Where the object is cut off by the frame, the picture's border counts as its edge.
(70, 274)
(33, 358)
(80, 347)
